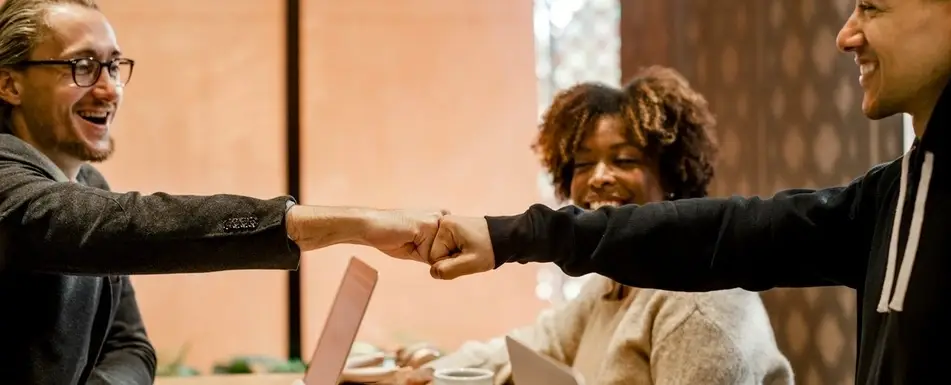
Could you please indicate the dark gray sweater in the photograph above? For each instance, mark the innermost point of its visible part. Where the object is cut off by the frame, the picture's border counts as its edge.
(66, 250)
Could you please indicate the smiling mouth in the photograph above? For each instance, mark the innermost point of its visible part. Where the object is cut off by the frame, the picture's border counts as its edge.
(606, 203)
(97, 118)
(866, 70)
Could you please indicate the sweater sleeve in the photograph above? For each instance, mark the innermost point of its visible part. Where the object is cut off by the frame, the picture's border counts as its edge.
(555, 333)
(70, 228)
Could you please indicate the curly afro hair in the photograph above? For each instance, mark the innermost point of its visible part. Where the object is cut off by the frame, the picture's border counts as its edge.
(670, 121)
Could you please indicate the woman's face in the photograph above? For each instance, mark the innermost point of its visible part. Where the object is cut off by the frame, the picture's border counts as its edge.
(611, 171)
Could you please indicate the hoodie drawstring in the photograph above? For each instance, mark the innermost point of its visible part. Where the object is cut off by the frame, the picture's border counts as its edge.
(895, 302)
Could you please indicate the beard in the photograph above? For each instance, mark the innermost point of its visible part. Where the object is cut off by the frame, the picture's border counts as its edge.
(84, 152)
(66, 142)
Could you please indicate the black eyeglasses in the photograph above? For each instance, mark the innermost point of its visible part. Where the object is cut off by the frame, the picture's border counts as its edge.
(86, 71)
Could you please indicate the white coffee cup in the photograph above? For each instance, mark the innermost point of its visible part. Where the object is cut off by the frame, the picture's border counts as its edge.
(463, 376)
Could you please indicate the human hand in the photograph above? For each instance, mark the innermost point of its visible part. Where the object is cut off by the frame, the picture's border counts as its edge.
(421, 376)
(462, 247)
(417, 355)
(403, 234)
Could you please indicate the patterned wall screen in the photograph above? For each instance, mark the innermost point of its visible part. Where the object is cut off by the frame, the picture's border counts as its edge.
(788, 106)
(575, 41)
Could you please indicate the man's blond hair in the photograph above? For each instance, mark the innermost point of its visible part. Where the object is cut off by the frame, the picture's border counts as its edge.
(22, 27)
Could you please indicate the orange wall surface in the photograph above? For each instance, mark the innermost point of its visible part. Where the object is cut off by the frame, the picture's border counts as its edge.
(204, 113)
(425, 104)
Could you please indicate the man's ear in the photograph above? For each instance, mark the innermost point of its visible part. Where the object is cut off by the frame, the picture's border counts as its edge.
(10, 86)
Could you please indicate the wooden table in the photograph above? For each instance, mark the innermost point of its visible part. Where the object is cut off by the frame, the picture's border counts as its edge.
(231, 379)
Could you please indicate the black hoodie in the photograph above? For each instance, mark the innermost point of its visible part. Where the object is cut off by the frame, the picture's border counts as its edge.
(894, 256)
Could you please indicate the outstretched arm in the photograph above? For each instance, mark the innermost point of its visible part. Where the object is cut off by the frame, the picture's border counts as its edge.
(55, 226)
(64, 227)
(796, 238)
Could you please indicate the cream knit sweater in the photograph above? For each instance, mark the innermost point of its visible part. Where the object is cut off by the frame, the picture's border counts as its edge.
(613, 334)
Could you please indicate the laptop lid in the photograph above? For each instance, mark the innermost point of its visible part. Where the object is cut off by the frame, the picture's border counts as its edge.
(343, 323)
(531, 368)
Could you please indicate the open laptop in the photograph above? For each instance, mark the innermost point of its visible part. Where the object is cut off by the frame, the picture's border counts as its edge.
(531, 368)
(342, 325)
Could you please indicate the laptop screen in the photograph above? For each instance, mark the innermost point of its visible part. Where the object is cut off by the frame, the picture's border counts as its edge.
(531, 368)
(342, 324)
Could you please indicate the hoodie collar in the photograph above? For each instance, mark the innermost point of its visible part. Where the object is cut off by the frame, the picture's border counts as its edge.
(937, 137)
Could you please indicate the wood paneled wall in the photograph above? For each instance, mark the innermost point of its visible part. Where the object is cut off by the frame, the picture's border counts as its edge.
(788, 111)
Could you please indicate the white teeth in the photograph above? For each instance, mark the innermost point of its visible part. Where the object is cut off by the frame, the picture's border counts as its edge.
(93, 114)
(598, 205)
(867, 68)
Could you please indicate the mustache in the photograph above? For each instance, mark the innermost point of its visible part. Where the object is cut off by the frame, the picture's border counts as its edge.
(111, 107)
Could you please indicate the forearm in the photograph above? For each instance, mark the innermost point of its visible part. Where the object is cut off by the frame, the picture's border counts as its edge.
(316, 227)
(555, 334)
(489, 355)
(493, 354)
(639, 246)
(692, 245)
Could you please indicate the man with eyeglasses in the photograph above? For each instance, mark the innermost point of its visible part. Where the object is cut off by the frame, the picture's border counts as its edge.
(67, 243)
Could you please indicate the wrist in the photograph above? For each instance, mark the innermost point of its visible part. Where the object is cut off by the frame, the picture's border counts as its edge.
(315, 227)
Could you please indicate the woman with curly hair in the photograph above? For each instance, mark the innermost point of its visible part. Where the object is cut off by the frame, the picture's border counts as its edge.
(652, 140)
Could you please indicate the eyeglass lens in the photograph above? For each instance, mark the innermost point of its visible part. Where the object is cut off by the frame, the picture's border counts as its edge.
(87, 71)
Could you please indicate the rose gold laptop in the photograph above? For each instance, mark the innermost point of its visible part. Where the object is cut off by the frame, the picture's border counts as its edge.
(531, 368)
(342, 325)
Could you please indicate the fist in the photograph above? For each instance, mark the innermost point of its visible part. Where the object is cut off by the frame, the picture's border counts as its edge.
(462, 246)
(403, 234)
